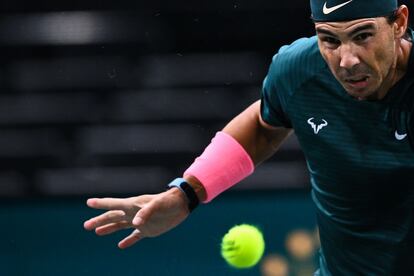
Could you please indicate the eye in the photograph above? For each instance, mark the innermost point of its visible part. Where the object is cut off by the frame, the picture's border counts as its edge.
(362, 37)
(330, 42)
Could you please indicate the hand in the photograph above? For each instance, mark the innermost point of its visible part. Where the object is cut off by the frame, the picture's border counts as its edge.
(150, 215)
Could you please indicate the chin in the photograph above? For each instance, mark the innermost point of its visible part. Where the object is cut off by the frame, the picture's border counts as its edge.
(365, 93)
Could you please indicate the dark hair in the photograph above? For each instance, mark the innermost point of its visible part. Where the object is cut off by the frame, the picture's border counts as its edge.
(391, 18)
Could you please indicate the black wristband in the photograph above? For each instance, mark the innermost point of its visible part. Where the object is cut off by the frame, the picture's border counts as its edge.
(189, 192)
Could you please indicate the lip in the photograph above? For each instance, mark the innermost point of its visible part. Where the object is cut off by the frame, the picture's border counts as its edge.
(357, 82)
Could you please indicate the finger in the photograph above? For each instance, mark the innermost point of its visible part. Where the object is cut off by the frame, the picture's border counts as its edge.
(131, 239)
(105, 218)
(108, 203)
(111, 228)
(144, 214)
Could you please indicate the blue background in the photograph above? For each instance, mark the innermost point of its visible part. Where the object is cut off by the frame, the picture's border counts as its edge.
(46, 237)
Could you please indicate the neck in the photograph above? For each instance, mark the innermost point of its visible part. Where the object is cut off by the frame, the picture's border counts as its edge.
(398, 69)
(403, 57)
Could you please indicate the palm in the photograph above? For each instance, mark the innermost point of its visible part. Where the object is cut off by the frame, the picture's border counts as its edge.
(150, 215)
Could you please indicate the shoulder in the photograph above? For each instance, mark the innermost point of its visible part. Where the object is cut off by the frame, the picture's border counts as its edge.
(299, 49)
(295, 63)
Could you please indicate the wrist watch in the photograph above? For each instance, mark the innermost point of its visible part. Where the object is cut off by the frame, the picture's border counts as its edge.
(189, 192)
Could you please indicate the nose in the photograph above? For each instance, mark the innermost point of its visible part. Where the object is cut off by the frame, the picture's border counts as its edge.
(348, 56)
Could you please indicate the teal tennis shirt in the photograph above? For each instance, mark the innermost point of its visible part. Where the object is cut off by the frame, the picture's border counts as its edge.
(360, 156)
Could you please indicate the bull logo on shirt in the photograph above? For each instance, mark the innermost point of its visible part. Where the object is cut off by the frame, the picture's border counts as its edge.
(317, 127)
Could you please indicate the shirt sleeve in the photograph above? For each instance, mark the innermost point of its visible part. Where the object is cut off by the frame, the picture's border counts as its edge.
(273, 107)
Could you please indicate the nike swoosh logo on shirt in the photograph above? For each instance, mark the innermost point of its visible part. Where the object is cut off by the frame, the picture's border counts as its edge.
(327, 10)
(400, 137)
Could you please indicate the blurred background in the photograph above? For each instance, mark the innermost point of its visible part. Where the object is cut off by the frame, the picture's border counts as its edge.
(117, 98)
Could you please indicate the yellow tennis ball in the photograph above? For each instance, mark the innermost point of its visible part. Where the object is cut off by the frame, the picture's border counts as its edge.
(243, 246)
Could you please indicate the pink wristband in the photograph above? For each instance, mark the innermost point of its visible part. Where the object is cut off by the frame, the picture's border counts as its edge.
(222, 164)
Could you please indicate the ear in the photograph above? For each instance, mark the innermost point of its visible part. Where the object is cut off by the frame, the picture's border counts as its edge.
(401, 24)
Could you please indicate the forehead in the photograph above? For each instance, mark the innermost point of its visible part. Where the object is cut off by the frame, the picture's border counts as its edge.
(349, 26)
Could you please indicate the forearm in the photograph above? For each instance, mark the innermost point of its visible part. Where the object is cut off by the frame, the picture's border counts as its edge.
(258, 140)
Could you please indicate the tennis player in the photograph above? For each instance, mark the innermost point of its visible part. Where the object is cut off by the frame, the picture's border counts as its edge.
(348, 94)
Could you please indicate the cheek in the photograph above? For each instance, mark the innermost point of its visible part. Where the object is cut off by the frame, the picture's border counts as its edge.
(332, 60)
(381, 63)
(383, 57)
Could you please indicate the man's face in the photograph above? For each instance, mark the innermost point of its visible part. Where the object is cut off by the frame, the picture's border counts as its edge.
(361, 54)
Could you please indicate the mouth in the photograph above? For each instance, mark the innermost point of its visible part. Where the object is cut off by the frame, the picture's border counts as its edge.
(357, 82)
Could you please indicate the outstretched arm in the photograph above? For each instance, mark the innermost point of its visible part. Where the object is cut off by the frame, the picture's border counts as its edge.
(152, 215)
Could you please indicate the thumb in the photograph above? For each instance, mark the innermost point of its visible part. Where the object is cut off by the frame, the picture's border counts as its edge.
(143, 214)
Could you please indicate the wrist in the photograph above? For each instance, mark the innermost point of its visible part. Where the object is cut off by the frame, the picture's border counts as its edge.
(197, 187)
(187, 191)
(177, 193)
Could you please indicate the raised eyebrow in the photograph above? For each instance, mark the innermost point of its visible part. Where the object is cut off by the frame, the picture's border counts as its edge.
(352, 33)
(368, 27)
(324, 31)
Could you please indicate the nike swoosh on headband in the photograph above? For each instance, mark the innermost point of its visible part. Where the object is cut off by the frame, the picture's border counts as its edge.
(327, 10)
(400, 137)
